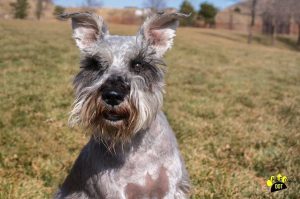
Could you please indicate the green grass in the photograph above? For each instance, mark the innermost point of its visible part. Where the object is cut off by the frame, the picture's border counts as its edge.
(235, 110)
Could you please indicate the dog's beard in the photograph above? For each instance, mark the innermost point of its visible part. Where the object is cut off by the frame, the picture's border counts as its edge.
(94, 116)
(147, 103)
(91, 112)
(136, 112)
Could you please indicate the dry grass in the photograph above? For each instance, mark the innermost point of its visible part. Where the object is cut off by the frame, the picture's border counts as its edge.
(235, 109)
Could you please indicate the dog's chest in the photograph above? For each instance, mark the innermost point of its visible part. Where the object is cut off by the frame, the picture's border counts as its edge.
(152, 187)
(158, 184)
(151, 175)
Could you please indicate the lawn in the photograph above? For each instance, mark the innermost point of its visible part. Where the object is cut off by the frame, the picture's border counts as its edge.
(235, 109)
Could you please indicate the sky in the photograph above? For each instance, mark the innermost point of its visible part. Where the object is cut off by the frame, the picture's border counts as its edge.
(221, 4)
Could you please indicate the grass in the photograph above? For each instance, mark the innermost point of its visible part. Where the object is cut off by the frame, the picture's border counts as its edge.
(235, 109)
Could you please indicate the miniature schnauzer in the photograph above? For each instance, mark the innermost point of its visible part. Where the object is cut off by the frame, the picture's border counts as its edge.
(132, 152)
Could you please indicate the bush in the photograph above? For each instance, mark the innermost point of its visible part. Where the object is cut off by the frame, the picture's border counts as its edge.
(237, 10)
(187, 8)
(20, 9)
(208, 13)
(58, 10)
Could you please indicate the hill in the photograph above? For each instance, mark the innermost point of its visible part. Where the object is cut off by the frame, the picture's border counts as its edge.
(229, 18)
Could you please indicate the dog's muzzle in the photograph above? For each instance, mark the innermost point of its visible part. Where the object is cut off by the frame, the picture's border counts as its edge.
(113, 93)
(114, 90)
(112, 97)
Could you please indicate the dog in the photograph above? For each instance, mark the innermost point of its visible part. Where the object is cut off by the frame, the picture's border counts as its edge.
(132, 152)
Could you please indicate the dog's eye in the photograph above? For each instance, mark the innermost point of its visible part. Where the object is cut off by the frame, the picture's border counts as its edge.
(92, 64)
(137, 66)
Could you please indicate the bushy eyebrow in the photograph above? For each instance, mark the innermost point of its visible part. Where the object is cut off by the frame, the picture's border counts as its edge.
(153, 67)
(103, 56)
(144, 54)
(101, 59)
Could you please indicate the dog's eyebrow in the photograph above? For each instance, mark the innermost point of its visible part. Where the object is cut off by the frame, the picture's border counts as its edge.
(104, 56)
(103, 59)
(148, 56)
(104, 53)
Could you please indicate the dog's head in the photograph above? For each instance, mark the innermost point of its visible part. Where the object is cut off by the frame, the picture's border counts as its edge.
(119, 87)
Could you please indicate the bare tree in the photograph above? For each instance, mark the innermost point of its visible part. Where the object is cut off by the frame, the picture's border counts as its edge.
(93, 3)
(39, 9)
(233, 12)
(252, 23)
(277, 12)
(276, 16)
(155, 5)
(41, 5)
(295, 8)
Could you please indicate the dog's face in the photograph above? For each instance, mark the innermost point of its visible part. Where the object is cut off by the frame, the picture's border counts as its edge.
(119, 87)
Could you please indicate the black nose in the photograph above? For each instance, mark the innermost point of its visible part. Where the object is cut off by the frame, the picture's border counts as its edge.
(112, 98)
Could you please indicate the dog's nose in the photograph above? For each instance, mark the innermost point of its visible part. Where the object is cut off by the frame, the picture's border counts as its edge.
(113, 98)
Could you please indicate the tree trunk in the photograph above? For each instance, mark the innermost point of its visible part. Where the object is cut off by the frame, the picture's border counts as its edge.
(250, 35)
(231, 21)
(253, 14)
(39, 9)
(298, 42)
(274, 32)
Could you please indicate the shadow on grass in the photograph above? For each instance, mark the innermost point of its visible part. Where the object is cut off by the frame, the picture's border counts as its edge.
(220, 36)
(289, 42)
(266, 40)
(260, 39)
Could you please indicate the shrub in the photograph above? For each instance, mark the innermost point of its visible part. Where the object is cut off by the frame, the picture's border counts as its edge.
(58, 10)
(187, 8)
(20, 9)
(208, 13)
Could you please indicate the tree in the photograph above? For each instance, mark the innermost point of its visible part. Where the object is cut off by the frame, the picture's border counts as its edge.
(20, 9)
(90, 5)
(187, 8)
(277, 12)
(232, 13)
(39, 9)
(237, 10)
(252, 23)
(58, 10)
(155, 5)
(208, 12)
(93, 3)
(295, 7)
(41, 5)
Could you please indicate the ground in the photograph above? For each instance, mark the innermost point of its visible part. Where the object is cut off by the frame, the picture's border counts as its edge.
(235, 109)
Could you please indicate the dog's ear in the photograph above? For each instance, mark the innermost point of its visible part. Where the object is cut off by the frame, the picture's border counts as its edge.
(88, 28)
(159, 30)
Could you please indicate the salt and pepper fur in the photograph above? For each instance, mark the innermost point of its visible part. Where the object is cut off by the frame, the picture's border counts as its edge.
(137, 157)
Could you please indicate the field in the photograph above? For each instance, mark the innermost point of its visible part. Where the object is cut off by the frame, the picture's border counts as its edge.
(235, 109)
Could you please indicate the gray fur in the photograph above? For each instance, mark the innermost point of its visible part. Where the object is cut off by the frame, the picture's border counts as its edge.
(136, 156)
